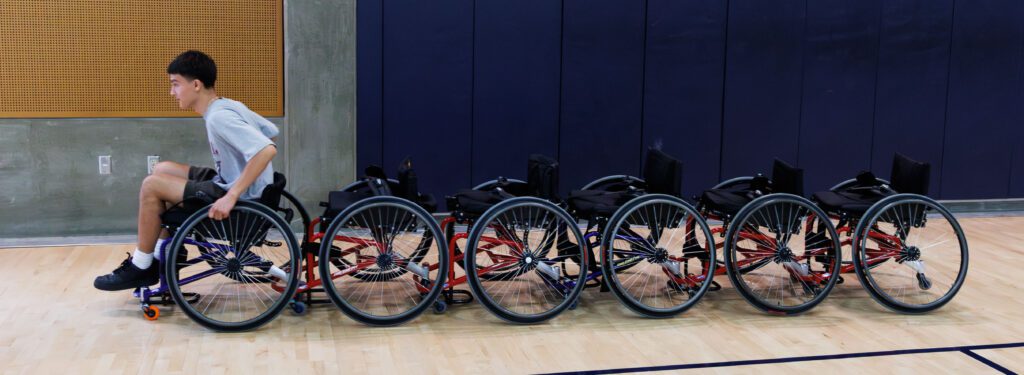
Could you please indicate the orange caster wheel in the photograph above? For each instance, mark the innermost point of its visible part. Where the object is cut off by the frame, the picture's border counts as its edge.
(151, 312)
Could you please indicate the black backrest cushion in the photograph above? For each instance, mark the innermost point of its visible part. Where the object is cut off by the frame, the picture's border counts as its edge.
(663, 173)
(542, 177)
(909, 175)
(787, 178)
(271, 195)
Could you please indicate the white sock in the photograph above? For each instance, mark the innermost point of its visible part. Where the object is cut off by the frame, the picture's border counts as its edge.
(157, 251)
(141, 259)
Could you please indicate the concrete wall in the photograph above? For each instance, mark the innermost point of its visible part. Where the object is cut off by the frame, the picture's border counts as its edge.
(320, 108)
(49, 180)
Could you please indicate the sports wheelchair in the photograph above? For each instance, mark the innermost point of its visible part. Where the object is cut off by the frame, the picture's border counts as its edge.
(230, 274)
(376, 250)
(909, 252)
(656, 251)
(514, 235)
(781, 251)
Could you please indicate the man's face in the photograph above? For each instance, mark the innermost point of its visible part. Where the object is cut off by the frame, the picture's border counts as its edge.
(185, 90)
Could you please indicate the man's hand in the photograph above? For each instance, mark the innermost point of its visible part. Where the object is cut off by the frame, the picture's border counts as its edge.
(222, 207)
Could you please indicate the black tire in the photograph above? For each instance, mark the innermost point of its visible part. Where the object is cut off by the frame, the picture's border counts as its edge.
(245, 236)
(519, 220)
(795, 254)
(404, 294)
(905, 216)
(666, 217)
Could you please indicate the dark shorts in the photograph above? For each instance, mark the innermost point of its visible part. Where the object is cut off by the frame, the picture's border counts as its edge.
(200, 185)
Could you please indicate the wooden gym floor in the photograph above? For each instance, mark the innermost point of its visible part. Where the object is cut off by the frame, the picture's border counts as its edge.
(52, 320)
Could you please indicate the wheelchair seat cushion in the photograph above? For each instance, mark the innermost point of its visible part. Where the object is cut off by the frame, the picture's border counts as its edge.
(854, 201)
(728, 201)
(338, 201)
(476, 202)
(597, 203)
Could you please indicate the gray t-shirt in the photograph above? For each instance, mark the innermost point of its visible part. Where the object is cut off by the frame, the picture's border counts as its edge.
(236, 135)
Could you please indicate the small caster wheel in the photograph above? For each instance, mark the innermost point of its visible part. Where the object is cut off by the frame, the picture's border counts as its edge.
(574, 305)
(440, 307)
(151, 312)
(299, 308)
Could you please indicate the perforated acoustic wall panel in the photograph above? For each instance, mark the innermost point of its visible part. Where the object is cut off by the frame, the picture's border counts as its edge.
(108, 58)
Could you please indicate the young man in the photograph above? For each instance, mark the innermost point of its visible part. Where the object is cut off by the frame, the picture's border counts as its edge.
(240, 141)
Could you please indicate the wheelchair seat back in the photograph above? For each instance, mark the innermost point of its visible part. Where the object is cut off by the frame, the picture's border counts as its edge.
(787, 178)
(909, 175)
(542, 177)
(408, 187)
(662, 173)
(271, 196)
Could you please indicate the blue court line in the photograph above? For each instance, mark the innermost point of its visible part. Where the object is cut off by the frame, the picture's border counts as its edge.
(988, 362)
(964, 349)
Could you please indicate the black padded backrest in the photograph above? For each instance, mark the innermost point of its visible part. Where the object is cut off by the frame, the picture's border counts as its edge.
(909, 175)
(787, 178)
(542, 177)
(663, 173)
(271, 195)
(408, 184)
(375, 171)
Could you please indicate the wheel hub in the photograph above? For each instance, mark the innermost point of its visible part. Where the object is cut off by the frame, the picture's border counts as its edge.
(385, 261)
(528, 260)
(660, 256)
(234, 265)
(911, 253)
(784, 254)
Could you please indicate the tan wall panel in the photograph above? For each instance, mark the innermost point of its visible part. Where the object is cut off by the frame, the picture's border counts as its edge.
(108, 58)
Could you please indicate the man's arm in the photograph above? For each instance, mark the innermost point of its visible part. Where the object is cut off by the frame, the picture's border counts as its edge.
(253, 168)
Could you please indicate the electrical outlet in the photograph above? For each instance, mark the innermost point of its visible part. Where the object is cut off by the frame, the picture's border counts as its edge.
(151, 161)
(104, 164)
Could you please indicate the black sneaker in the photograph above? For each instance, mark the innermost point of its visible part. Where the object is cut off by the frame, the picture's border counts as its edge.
(128, 276)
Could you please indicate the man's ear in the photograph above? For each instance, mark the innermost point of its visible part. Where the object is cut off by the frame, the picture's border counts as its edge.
(197, 85)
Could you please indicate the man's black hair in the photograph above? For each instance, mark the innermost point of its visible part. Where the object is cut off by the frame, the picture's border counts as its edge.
(194, 65)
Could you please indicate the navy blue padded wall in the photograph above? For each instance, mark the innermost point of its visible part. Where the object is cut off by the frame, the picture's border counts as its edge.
(1017, 165)
(840, 56)
(683, 86)
(517, 55)
(427, 90)
(369, 131)
(762, 85)
(984, 99)
(910, 98)
(602, 89)
(469, 88)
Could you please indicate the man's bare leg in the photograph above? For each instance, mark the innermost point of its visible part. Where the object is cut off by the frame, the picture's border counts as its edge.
(157, 190)
(171, 168)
